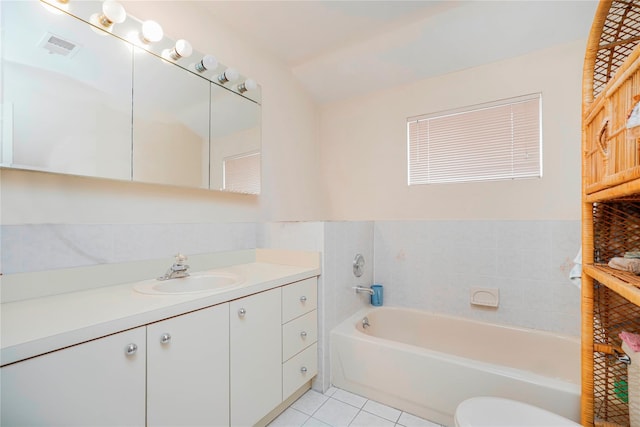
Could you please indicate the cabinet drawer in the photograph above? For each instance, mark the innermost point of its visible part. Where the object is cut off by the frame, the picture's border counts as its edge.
(299, 298)
(298, 370)
(299, 334)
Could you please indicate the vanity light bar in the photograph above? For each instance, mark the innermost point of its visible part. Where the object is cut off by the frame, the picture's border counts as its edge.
(151, 32)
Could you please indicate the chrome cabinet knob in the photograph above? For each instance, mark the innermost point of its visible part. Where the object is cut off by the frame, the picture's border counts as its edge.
(165, 338)
(303, 334)
(303, 299)
(131, 349)
(303, 369)
(242, 312)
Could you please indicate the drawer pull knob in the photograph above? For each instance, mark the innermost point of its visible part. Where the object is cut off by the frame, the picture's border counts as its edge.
(165, 338)
(242, 312)
(303, 299)
(303, 369)
(131, 349)
(303, 334)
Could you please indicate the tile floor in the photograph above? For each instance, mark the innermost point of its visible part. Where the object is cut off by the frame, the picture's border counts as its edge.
(340, 408)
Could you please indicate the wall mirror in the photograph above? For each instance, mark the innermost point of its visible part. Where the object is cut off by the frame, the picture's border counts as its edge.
(235, 143)
(83, 100)
(66, 95)
(170, 123)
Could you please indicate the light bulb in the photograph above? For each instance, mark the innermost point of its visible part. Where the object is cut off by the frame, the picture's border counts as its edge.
(112, 13)
(57, 7)
(182, 49)
(229, 75)
(208, 62)
(248, 84)
(151, 32)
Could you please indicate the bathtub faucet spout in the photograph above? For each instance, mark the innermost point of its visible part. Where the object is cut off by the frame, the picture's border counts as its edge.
(365, 323)
(363, 289)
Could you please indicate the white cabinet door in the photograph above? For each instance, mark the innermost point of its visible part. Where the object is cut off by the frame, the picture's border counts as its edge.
(92, 384)
(188, 369)
(256, 357)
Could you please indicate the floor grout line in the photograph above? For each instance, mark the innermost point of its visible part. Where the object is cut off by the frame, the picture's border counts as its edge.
(359, 410)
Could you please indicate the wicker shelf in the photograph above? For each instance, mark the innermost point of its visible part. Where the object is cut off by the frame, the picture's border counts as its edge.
(605, 192)
(612, 314)
(611, 206)
(606, 424)
(621, 282)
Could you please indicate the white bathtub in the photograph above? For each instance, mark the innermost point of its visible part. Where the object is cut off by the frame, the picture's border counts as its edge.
(426, 364)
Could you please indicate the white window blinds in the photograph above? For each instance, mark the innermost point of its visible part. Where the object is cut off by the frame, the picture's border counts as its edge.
(242, 173)
(500, 140)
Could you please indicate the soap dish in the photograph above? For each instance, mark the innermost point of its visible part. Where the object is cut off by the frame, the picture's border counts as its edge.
(486, 297)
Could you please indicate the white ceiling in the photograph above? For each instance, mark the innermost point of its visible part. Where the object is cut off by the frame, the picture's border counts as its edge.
(343, 48)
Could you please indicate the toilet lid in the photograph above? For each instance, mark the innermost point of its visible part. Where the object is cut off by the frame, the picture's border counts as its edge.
(496, 411)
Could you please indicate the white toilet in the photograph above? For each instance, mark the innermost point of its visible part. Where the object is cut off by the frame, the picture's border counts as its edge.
(499, 412)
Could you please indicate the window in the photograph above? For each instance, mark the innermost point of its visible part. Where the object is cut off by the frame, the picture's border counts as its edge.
(495, 141)
(242, 173)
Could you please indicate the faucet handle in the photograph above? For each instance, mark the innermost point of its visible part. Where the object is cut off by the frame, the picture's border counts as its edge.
(180, 258)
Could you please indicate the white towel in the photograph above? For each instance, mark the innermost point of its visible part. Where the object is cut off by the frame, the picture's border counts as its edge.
(575, 275)
(625, 264)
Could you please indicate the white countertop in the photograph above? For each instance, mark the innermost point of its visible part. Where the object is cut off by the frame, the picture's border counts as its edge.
(39, 325)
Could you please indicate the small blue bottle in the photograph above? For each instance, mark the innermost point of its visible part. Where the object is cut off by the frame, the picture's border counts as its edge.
(377, 296)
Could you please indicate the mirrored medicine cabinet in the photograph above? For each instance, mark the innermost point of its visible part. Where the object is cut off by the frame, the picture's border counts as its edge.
(78, 99)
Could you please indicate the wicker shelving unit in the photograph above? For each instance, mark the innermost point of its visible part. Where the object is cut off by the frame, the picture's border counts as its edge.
(610, 208)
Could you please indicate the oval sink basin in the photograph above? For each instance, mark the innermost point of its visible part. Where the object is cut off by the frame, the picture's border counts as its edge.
(205, 282)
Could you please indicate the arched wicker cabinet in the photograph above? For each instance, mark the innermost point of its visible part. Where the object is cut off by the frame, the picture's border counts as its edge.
(610, 208)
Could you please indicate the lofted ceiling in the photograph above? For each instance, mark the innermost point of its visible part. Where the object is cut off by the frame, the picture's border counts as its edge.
(339, 49)
(343, 48)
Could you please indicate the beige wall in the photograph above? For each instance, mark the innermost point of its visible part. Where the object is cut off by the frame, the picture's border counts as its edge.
(364, 145)
(291, 191)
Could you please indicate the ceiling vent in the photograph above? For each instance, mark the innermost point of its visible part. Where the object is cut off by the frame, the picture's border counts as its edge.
(59, 46)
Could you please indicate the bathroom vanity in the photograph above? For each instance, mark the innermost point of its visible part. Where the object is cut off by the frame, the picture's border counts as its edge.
(115, 356)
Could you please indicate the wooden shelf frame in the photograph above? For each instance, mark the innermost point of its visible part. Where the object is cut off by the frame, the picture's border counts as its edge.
(623, 283)
(610, 174)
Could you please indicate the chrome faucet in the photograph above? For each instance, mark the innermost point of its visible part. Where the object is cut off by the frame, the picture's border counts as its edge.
(177, 270)
(365, 323)
(363, 289)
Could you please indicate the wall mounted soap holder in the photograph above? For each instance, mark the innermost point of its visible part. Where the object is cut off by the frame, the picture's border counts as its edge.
(485, 297)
